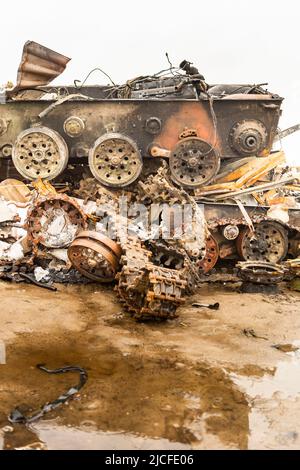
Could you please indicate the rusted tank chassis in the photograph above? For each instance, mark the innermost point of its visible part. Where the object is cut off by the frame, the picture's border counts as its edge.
(56, 140)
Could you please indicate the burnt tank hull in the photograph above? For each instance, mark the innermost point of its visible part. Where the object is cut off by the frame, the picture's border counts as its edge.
(155, 126)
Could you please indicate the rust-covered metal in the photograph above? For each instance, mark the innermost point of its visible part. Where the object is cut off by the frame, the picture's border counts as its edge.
(38, 67)
(170, 140)
(95, 256)
(114, 129)
(54, 220)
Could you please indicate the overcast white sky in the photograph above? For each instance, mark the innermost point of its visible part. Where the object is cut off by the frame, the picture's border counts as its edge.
(231, 41)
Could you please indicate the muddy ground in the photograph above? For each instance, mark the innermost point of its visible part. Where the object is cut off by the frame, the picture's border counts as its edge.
(197, 382)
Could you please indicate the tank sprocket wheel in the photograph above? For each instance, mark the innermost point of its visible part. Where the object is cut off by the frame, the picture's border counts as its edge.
(269, 243)
(115, 160)
(95, 256)
(54, 221)
(193, 162)
(211, 255)
(40, 152)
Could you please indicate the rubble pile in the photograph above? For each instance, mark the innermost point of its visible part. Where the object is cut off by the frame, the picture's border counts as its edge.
(153, 265)
(154, 244)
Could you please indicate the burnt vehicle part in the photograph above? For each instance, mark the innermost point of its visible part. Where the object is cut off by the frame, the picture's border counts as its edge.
(113, 129)
(211, 255)
(272, 241)
(146, 290)
(259, 272)
(54, 220)
(38, 67)
(269, 242)
(95, 256)
(40, 152)
(115, 160)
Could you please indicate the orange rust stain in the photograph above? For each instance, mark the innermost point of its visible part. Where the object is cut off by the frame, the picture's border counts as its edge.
(191, 116)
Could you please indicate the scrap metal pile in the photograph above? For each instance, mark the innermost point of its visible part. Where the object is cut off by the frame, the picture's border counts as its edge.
(47, 233)
(155, 184)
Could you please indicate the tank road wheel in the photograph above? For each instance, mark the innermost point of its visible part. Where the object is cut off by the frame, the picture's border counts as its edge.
(95, 256)
(211, 255)
(40, 152)
(193, 162)
(269, 243)
(115, 160)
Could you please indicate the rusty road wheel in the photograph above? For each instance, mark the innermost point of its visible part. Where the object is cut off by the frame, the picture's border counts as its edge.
(193, 162)
(54, 221)
(95, 256)
(269, 243)
(211, 255)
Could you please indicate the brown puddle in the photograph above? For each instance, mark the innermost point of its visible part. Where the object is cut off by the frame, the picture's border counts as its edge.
(128, 399)
(274, 405)
(154, 386)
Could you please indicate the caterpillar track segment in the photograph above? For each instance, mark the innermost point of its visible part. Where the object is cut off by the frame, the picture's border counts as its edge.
(148, 291)
(62, 132)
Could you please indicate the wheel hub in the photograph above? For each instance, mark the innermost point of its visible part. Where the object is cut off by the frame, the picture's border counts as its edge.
(211, 255)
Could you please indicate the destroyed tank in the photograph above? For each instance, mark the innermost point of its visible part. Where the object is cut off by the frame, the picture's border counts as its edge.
(169, 139)
(58, 132)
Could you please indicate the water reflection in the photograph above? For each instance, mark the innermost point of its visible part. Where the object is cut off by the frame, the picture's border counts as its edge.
(274, 417)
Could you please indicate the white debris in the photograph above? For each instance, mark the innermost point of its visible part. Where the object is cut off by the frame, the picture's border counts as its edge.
(57, 229)
(60, 254)
(11, 252)
(7, 211)
(279, 212)
(41, 274)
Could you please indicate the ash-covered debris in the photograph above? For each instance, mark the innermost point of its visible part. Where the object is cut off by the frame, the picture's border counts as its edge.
(155, 244)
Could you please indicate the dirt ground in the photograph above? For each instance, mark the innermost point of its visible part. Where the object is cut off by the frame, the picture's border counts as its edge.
(201, 381)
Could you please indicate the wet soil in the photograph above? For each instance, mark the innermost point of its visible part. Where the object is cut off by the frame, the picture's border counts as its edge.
(196, 382)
